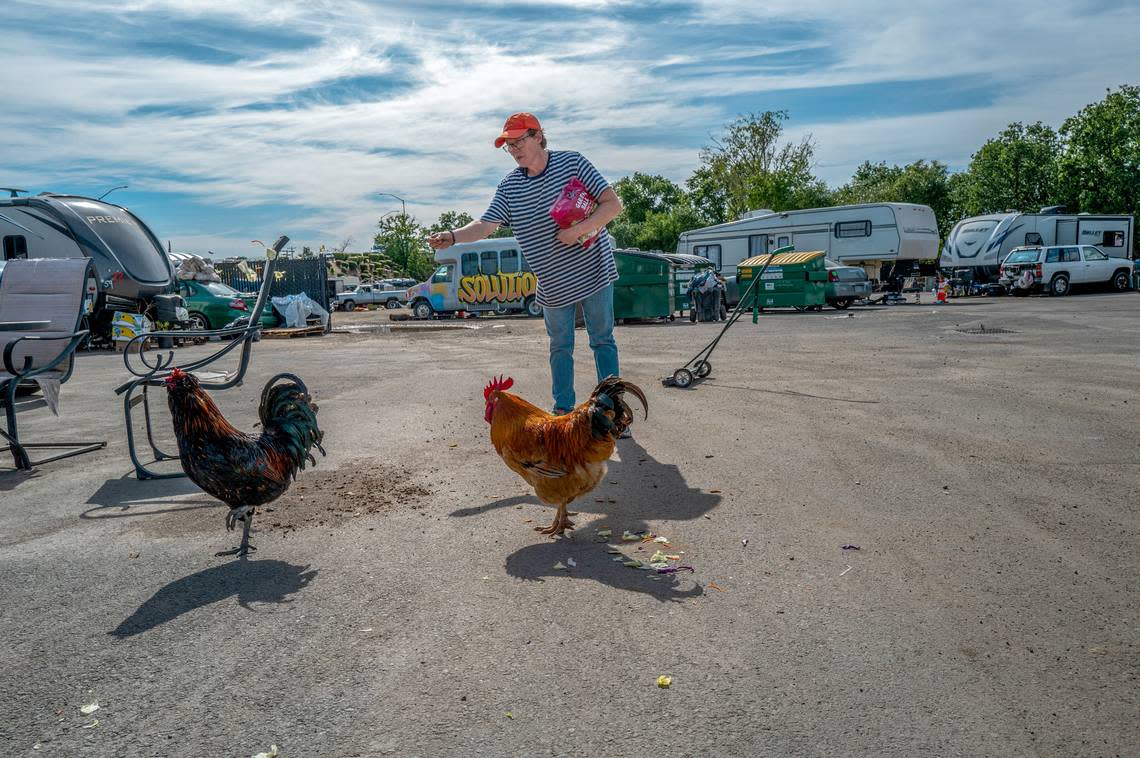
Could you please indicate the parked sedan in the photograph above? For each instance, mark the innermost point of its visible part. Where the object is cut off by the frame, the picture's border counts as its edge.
(845, 284)
(212, 305)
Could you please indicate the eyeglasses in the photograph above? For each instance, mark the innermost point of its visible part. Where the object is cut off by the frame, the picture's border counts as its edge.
(517, 144)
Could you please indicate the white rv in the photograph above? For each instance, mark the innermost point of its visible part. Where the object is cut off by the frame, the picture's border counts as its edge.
(981, 243)
(868, 235)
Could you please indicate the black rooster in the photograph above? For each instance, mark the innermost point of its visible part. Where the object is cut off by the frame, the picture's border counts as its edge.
(241, 470)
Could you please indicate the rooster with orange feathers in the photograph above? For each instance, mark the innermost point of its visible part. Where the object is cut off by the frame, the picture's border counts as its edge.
(562, 457)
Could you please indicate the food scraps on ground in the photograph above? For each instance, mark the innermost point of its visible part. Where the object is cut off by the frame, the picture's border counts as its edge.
(88, 709)
(664, 681)
(571, 562)
(677, 570)
(850, 547)
(560, 566)
(715, 586)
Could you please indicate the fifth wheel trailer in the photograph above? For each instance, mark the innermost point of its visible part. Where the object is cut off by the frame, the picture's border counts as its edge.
(875, 236)
(981, 243)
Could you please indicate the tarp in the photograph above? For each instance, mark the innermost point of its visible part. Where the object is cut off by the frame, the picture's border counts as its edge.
(297, 308)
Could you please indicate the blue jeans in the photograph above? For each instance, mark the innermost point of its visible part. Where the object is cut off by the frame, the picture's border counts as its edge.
(598, 310)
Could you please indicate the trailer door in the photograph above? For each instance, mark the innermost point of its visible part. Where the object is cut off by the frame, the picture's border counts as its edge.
(1066, 232)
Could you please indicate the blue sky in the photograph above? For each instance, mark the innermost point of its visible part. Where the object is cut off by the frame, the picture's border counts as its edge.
(232, 121)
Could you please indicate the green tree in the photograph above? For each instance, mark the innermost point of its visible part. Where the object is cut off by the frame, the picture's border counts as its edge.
(753, 170)
(919, 182)
(1099, 169)
(403, 241)
(1017, 170)
(707, 196)
(455, 219)
(652, 208)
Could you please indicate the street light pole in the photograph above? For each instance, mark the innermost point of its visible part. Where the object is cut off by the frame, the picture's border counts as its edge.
(403, 220)
(108, 192)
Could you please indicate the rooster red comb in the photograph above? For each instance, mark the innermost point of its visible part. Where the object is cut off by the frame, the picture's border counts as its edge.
(497, 384)
(174, 376)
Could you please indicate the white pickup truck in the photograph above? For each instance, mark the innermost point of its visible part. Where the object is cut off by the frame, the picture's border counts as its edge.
(1056, 268)
(367, 294)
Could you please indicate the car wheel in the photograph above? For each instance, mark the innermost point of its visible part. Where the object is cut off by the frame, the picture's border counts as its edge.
(349, 305)
(392, 305)
(841, 305)
(422, 309)
(1059, 287)
(533, 309)
(1120, 281)
(198, 322)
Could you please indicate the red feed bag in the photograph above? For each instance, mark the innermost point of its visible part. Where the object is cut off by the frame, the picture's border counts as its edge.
(574, 205)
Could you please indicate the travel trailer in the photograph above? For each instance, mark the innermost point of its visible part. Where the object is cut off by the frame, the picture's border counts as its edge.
(875, 236)
(131, 265)
(981, 243)
(475, 277)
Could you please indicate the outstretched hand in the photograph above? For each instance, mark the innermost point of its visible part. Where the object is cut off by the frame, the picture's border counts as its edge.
(441, 240)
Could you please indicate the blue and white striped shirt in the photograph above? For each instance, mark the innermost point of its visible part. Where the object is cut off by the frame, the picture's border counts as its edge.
(566, 273)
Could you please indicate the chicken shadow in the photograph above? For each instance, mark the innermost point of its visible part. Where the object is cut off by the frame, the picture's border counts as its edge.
(268, 581)
(637, 488)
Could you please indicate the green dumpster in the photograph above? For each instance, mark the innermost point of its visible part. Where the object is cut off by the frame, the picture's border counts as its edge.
(792, 280)
(1136, 274)
(644, 287)
(685, 267)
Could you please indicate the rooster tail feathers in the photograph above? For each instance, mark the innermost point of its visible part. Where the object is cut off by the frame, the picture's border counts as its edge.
(288, 412)
(609, 412)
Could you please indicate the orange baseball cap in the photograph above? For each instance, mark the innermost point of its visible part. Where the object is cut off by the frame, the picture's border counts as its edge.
(517, 125)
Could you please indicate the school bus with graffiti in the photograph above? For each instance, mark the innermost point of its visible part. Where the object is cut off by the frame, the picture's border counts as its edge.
(491, 275)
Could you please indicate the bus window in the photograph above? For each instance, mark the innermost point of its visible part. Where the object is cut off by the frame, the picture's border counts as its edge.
(470, 264)
(525, 265)
(509, 261)
(489, 262)
(443, 274)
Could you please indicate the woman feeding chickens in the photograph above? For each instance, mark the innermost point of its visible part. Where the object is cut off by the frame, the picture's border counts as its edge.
(572, 265)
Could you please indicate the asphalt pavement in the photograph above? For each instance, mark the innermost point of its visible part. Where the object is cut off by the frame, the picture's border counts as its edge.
(912, 529)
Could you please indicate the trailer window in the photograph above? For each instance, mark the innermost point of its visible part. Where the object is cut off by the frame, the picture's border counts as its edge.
(853, 229)
(708, 252)
(490, 262)
(1033, 238)
(509, 261)
(15, 246)
(1112, 239)
(783, 241)
(757, 244)
(470, 264)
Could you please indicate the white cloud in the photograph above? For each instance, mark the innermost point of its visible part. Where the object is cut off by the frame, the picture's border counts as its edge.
(598, 87)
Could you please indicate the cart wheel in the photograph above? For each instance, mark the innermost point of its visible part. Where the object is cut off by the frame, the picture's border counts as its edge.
(704, 368)
(682, 377)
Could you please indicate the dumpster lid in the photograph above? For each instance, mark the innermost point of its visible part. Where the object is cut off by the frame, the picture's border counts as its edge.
(684, 259)
(782, 259)
(642, 254)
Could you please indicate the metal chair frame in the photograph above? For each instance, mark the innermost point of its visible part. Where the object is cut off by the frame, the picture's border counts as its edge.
(25, 374)
(154, 373)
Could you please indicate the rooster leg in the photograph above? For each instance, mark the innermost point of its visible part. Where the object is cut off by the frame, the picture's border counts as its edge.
(245, 515)
(561, 523)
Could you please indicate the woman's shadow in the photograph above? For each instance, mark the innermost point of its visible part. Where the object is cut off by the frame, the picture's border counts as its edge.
(251, 582)
(642, 488)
